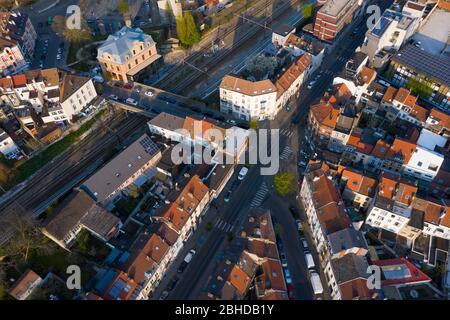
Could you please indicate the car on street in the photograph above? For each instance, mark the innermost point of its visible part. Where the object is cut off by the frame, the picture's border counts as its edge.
(58, 57)
(114, 97)
(131, 101)
(299, 225)
(311, 84)
(172, 284)
(228, 196)
(309, 261)
(242, 173)
(149, 93)
(186, 260)
(315, 282)
(304, 243)
(128, 86)
(137, 89)
(231, 121)
(283, 260)
(293, 210)
(164, 295)
(287, 276)
(290, 289)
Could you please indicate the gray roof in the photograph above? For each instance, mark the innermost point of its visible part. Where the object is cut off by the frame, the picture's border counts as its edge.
(100, 221)
(425, 62)
(349, 267)
(167, 121)
(283, 29)
(122, 42)
(346, 239)
(68, 214)
(111, 176)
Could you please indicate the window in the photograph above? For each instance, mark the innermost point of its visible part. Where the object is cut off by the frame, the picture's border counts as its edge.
(419, 163)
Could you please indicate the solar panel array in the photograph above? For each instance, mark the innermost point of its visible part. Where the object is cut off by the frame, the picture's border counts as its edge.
(381, 26)
(150, 147)
(424, 62)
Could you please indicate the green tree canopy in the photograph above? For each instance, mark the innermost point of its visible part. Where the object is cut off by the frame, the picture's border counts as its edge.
(123, 7)
(308, 11)
(284, 183)
(419, 87)
(187, 30)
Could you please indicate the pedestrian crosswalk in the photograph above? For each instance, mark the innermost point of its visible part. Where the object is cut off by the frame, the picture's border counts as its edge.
(287, 132)
(223, 225)
(286, 153)
(341, 59)
(259, 196)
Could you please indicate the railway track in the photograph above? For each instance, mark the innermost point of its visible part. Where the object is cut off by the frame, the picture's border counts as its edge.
(258, 14)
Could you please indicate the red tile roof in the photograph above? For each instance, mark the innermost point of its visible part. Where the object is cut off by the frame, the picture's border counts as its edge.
(325, 114)
(359, 183)
(355, 141)
(402, 148)
(400, 271)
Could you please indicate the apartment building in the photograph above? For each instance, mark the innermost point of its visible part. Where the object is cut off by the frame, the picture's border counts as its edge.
(259, 100)
(76, 93)
(12, 59)
(332, 17)
(257, 271)
(438, 122)
(248, 100)
(391, 31)
(412, 65)
(324, 208)
(17, 26)
(322, 122)
(128, 55)
(134, 165)
(301, 44)
(151, 255)
(231, 141)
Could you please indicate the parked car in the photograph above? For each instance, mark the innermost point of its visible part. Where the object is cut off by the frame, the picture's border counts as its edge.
(114, 97)
(149, 93)
(172, 284)
(287, 276)
(228, 196)
(290, 290)
(304, 243)
(283, 260)
(164, 295)
(186, 260)
(293, 210)
(309, 261)
(131, 101)
(128, 86)
(311, 84)
(315, 282)
(242, 173)
(299, 225)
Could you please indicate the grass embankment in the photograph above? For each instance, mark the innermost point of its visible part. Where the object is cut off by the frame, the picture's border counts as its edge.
(33, 164)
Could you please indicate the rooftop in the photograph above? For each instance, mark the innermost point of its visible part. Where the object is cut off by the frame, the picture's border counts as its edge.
(112, 175)
(437, 67)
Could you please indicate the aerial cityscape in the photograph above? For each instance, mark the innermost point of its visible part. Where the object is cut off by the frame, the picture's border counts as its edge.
(251, 150)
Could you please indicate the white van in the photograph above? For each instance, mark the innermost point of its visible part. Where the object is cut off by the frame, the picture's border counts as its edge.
(309, 261)
(242, 173)
(131, 101)
(315, 282)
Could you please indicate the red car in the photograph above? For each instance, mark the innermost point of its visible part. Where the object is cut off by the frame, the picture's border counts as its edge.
(128, 86)
(290, 289)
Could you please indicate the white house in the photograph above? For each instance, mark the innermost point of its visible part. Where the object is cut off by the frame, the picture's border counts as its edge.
(75, 94)
(7, 146)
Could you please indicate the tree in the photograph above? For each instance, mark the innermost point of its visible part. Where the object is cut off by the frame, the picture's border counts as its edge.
(253, 124)
(308, 11)
(284, 183)
(72, 35)
(187, 30)
(123, 7)
(26, 238)
(419, 87)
